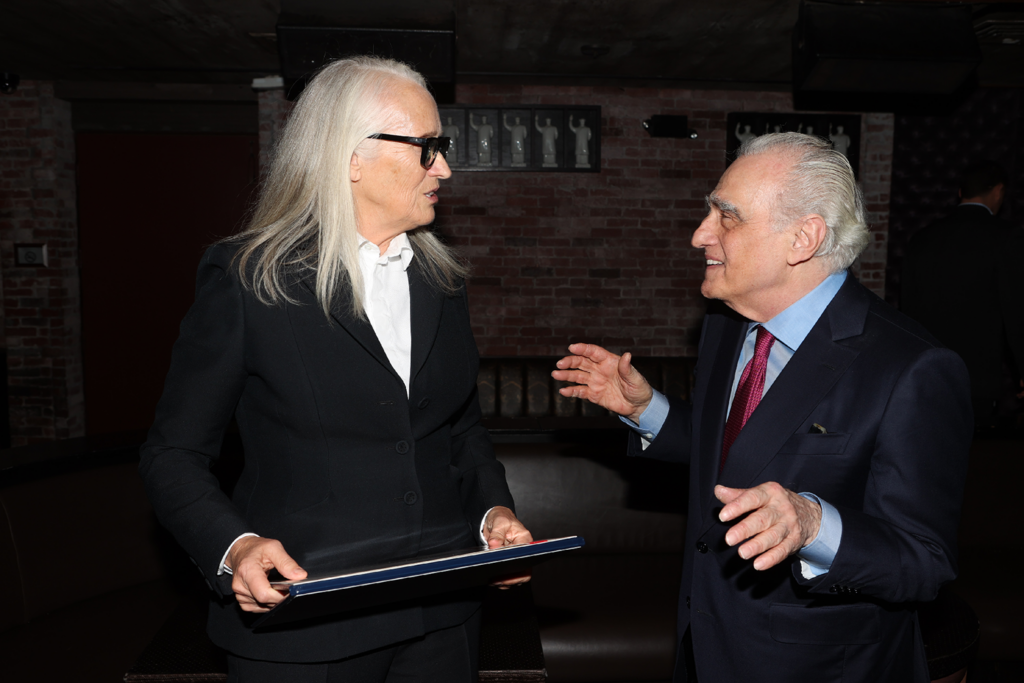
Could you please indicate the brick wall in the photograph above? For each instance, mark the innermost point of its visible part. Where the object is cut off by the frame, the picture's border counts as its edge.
(875, 181)
(273, 112)
(41, 306)
(606, 257)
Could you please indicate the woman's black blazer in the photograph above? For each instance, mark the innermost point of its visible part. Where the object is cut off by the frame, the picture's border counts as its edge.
(341, 465)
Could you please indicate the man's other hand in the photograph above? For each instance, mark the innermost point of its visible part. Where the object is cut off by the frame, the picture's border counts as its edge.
(779, 522)
(501, 528)
(603, 378)
(250, 560)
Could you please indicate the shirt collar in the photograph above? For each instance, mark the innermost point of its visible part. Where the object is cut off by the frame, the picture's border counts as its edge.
(793, 325)
(984, 206)
(400, 247)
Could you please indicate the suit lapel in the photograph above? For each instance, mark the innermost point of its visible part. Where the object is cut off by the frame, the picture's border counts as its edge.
(727, 343)
(426, 304)
(823, 357)
(359, 329)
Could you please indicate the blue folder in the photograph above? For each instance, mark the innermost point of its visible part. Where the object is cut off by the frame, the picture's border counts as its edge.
(420, 577)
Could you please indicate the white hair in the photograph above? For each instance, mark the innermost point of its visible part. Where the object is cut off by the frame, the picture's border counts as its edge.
(305, 221)
(820, 181)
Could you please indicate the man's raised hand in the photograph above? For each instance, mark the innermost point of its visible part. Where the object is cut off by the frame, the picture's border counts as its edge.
(603, 378)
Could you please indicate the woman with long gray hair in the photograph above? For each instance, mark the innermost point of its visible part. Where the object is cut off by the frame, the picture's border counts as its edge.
(335, 331)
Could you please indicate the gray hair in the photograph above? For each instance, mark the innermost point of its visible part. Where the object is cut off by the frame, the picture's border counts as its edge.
(305, 221)
(821, 182)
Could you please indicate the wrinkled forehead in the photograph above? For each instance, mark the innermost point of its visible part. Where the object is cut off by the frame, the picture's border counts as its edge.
(408, 108)
(753, 182)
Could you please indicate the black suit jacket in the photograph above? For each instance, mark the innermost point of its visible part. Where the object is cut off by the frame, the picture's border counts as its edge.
(341, 465)
(962, 279)
(896, 408)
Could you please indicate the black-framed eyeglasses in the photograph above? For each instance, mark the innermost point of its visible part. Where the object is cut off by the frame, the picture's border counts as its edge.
(429, 147)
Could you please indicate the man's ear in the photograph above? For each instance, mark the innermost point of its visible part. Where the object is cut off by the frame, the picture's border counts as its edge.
(808, 239)
(355, 169)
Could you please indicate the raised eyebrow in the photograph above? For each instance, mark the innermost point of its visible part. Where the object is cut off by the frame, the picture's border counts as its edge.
(713, 200)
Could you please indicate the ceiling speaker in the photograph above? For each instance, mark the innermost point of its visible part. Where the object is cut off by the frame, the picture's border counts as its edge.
(883, 47)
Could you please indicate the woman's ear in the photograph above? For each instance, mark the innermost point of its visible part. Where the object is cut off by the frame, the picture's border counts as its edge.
(355, 169)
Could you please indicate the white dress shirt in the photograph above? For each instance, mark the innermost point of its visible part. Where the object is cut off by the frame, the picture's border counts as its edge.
(386, 299)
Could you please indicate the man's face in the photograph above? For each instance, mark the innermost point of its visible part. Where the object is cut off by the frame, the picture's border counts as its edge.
(746, 260)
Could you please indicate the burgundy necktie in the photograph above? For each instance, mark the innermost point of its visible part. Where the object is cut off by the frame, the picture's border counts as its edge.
(748, 391)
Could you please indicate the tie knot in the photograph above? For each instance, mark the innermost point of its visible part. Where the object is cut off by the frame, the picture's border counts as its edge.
(763, 343)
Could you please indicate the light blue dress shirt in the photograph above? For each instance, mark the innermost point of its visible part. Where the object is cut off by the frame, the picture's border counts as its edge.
(790, 328)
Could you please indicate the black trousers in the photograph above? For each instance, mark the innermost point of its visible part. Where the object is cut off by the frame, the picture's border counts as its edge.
(445, 656)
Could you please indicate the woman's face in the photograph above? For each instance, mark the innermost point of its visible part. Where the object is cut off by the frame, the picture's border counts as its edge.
(393, 192)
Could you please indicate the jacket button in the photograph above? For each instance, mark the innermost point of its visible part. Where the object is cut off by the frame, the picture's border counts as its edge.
(687, 601)
(702, 547)
(402, 447)
(424, 403)
(410, 498)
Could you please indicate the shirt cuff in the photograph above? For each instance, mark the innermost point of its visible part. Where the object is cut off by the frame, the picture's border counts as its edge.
(224, 568)
(483, 539)
(817, 556)
(651, 420)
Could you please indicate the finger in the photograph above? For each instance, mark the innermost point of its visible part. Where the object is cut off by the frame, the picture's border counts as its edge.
(771, 558)
(517, 534)
(244, 598)
(762, 541)
(254, 608)
(569, 362)
(580, 391)
(514, 580)
(285, 565)
(590, 351)
(577, 376)
(741, 501)
(726, 494)
(626, 366)
(494, 532)
(258, 586)
(754, 524)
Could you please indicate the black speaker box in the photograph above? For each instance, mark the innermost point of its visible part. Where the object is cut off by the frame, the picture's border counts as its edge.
(903, 49)
(305, 49)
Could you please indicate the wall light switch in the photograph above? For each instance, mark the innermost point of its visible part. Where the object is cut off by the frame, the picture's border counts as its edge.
(31, 255)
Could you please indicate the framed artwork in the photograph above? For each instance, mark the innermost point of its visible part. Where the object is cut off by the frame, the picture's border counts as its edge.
(842, 129)
(549, 138)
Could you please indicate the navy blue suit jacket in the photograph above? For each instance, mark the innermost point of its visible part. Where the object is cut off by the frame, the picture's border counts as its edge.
(896, 407)
(341, 465)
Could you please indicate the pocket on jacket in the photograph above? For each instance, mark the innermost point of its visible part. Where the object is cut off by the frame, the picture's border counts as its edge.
(826, 625)
(815, 444)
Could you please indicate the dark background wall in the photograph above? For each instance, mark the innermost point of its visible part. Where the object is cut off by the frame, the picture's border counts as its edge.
(929, 156)
(606, 258)
(603, 257)
(149, 204)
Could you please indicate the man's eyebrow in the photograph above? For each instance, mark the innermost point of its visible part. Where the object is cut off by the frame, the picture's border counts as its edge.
(722, 205)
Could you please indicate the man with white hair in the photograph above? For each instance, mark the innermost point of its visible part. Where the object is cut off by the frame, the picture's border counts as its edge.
(827, 438)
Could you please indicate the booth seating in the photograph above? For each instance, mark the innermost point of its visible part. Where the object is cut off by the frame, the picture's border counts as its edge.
(91, 577)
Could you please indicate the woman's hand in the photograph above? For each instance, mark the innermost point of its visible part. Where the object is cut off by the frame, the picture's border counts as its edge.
(250, 560)
(501, 528)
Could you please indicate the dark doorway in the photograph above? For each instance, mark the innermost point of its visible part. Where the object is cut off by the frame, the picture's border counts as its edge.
(930, 154)
(149, 204)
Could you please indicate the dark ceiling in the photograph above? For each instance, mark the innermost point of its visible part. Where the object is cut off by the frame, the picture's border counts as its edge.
(703, 43)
